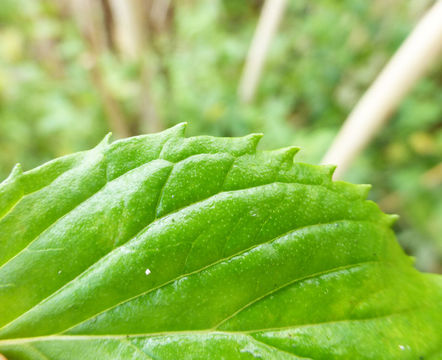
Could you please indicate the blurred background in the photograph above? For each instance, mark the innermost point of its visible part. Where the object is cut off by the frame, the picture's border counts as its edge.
(71, 71)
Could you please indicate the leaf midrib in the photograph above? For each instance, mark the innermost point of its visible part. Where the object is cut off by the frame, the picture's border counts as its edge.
(219, 261)
(211, 331)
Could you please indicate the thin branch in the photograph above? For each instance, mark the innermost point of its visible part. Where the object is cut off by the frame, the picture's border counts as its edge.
(269, 20)
(158, 13)
(115, 116)
(131, 20)
(130, 25)
(149, 120)
(419, 51)
(90, 20)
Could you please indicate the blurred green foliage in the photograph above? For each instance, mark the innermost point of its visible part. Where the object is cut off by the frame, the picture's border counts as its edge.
(324, 56)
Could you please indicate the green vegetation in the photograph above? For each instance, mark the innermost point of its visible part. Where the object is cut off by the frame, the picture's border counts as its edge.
(54, 86)
(166, 247)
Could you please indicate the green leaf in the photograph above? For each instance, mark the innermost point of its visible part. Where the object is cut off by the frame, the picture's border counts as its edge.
(166, 247)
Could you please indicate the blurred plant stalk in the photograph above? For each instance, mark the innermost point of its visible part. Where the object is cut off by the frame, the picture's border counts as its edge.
(122, 27)
(269, 20)
(418, 52)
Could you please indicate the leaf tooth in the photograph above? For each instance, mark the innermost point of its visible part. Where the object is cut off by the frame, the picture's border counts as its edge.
(283, 157)
(330, 169)
(14, 175)
(363, 190)
(358, 191)
(16, 172)
(179, 129)
(11, 190)
(350, 190)
(103, 144)
(391, 218)
(288, 153)
(254, 139)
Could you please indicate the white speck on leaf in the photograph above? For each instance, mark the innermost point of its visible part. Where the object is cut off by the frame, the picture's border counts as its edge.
(402, 347)
(147, 272)
(253, 350)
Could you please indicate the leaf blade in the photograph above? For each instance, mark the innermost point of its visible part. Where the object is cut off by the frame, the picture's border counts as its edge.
(206, 242)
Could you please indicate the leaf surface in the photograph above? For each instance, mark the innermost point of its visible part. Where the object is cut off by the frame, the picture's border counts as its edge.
(166, 247)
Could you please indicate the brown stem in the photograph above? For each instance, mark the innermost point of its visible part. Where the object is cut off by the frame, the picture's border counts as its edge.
(418, 52)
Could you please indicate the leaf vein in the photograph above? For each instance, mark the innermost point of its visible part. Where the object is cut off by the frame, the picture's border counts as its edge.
(244, 251)
(64, 337)
(294, 281)
(278, 349)
(137, 349)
